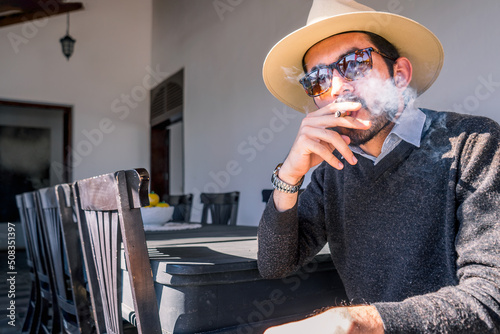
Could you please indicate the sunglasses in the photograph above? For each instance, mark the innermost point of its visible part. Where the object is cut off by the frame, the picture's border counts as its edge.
(351, 66)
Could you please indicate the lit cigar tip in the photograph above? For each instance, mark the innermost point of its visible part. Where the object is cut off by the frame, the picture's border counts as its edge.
(343, 113)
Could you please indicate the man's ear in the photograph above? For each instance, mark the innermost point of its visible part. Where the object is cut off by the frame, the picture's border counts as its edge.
(402, 72)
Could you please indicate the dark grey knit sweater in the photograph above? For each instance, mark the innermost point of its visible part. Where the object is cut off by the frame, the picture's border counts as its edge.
(417, 235)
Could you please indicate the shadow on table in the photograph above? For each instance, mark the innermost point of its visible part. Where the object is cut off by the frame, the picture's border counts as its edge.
(202, 290)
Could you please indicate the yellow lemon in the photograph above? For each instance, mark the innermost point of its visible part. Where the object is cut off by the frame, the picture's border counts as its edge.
(154, 199)
(163, 205)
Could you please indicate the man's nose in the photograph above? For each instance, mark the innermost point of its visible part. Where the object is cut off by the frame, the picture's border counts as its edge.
(340, 86)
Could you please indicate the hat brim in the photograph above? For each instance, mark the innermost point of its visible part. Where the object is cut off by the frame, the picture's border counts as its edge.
(283, 65)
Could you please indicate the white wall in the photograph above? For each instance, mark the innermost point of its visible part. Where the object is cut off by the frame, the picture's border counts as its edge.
(102, 81)
(236, 132)
(226, 104)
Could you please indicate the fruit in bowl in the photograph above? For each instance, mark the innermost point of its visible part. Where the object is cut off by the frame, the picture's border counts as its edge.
(154, 199)
(156, 213)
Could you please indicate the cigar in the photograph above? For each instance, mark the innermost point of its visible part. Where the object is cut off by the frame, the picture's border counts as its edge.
(345, 98)
(342, 113)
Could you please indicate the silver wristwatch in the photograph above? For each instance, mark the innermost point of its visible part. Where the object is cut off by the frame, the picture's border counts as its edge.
(282, 185)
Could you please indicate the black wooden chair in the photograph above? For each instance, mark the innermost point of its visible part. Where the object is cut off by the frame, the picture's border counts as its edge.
(63, 246)
(108, 208)
(31, 320)
(223, 207)
(46, 315)
(182, 207)
(266, 193)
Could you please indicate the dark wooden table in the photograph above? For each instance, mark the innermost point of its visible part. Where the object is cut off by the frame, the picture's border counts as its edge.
(206, 280)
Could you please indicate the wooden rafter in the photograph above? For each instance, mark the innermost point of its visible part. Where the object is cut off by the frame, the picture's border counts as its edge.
(18, 11)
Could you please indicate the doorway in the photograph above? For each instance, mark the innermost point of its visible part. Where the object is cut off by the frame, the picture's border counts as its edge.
(33, 150)
(167, 136)
(167, 158)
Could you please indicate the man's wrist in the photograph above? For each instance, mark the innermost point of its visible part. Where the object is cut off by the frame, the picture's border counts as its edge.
(283, 186)
(287, 177)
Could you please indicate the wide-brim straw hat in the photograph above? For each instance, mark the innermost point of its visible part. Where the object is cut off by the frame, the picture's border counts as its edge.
(283, 65)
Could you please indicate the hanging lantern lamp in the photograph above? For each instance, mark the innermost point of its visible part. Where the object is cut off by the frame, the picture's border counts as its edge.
(67, 42)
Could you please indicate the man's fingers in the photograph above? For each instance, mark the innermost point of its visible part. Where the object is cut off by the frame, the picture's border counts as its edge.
(334, 141)
(330, 121)
(325, 153)
(346, 139)
(333, 107)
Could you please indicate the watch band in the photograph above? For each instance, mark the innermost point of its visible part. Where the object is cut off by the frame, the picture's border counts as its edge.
(282, 185)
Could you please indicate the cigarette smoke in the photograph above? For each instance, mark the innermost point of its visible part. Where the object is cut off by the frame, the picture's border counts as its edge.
(382, 96)
(293, 74)
(378, 95)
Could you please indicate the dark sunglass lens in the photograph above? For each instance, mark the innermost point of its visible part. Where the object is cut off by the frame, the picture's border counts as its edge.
(308, 85)
(317, 82)
(323, 81)
(355, 65)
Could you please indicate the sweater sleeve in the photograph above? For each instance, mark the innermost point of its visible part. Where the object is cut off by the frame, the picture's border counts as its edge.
(473, 305)
(288, 240)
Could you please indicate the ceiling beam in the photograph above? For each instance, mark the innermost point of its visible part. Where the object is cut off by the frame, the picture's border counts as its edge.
(31, 10)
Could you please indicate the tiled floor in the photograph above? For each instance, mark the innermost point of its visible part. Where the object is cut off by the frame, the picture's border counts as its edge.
(22, 286)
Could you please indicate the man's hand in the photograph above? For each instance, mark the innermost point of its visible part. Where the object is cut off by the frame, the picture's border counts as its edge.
(315, 140)
(314, 143)
(338, 320)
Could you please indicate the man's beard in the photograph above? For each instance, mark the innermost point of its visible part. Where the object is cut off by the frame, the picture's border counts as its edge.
(379, 119)
(360, 137)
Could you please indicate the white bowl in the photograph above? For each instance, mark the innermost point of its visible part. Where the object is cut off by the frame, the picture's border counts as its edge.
(156, 215)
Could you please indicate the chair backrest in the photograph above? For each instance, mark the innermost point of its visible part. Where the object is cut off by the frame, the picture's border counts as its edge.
(27, 238)
(48, 318)
(182, 206)
(109, 212)
(266, 193)
(31, 323)
(223, 207)
(64, 249)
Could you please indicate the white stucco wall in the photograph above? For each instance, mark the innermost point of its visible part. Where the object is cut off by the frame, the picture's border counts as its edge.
(236, 132)
(233, 138)
(104, 80)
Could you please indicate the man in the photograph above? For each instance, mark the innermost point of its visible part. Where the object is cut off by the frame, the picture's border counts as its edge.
(409, 200)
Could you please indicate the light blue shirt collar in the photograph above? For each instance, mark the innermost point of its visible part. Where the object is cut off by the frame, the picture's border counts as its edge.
(408, 127)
